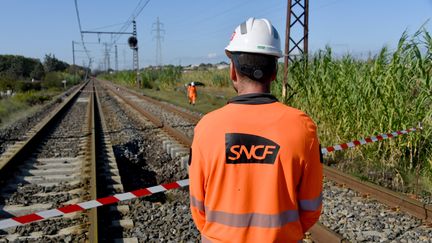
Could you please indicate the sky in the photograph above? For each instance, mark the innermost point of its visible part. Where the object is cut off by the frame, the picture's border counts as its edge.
(196, 31)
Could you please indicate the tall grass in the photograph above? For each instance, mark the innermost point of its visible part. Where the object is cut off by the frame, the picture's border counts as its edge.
(211, 77)
(150, 78)
(351, 98)
(11, 107)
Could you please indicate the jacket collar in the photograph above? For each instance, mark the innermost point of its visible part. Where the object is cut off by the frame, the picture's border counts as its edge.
(253, 99)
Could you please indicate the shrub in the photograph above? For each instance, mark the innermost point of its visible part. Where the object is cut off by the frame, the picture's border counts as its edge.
(28, 86)
(221, 80)
(53, 80)
(32, 98)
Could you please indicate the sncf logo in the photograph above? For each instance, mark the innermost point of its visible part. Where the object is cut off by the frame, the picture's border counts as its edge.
(243, 148)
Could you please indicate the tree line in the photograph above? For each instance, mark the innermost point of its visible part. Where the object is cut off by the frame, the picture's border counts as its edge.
(19, 73)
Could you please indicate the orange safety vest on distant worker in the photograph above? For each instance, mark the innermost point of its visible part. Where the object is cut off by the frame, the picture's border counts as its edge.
(192, 94)
(255, 172)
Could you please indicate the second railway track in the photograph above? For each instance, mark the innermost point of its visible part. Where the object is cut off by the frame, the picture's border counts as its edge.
(47, 171)
(67, 159)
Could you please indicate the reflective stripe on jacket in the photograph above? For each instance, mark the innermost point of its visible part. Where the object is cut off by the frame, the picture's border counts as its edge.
(255, 172)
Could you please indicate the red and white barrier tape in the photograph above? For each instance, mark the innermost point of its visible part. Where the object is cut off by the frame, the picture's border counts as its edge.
(29, 218)
(372, 139)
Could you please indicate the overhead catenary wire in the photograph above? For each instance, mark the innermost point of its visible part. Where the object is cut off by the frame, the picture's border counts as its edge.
(114, 38)
(225, 27)
(142, 4)
(107, 26)
(197, 35)
(192, 19)
(98, 43)
(137, 11)
(317, 7)
(80, 28)
(267, 11)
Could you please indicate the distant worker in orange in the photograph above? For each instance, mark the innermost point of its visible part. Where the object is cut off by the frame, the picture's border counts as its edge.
(192, 93)
(255, 169)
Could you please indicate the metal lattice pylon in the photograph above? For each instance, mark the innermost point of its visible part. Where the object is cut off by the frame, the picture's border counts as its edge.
(297, 20)
(158, 28)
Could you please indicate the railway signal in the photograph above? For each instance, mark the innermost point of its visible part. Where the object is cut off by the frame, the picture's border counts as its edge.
(133, 42)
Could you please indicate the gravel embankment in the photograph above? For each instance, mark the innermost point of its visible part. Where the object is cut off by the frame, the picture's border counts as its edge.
(360, 219)
(18, 130)
(138, 148)
(169, 118)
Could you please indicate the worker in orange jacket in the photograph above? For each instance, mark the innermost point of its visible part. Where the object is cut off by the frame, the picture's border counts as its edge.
(255, 169)
(192, 93)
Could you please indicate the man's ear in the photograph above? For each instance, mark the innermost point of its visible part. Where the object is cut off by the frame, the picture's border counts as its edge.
(233, 74)
(273, 77)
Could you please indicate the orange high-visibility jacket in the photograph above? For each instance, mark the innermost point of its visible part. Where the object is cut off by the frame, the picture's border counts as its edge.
(192, 91)
(255, 172)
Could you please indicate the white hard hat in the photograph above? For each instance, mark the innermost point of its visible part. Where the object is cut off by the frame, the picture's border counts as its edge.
(255, 36)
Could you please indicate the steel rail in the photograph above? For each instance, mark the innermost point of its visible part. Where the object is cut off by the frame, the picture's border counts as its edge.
(109, 177)
(319, 233)
(393, 199)
(91, 152)
(13, 160)
(179, 136)
(192, 118)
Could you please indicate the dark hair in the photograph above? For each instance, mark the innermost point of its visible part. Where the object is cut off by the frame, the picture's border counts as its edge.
(258, 67)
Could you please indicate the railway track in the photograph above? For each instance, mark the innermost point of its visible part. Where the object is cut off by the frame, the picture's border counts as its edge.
(48, 171)
(143, 162)
(111, 221)
(67, 159)
(20, 130)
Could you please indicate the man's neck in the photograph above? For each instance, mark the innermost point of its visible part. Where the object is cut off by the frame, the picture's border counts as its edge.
(250, 87)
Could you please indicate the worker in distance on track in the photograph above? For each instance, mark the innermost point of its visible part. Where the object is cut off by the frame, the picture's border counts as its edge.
(192, 93)
(255, 169)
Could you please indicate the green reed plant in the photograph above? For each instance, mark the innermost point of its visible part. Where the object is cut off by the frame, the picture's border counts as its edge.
(122, 77)
(150, 77)
(211, 77)
(351, 98)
